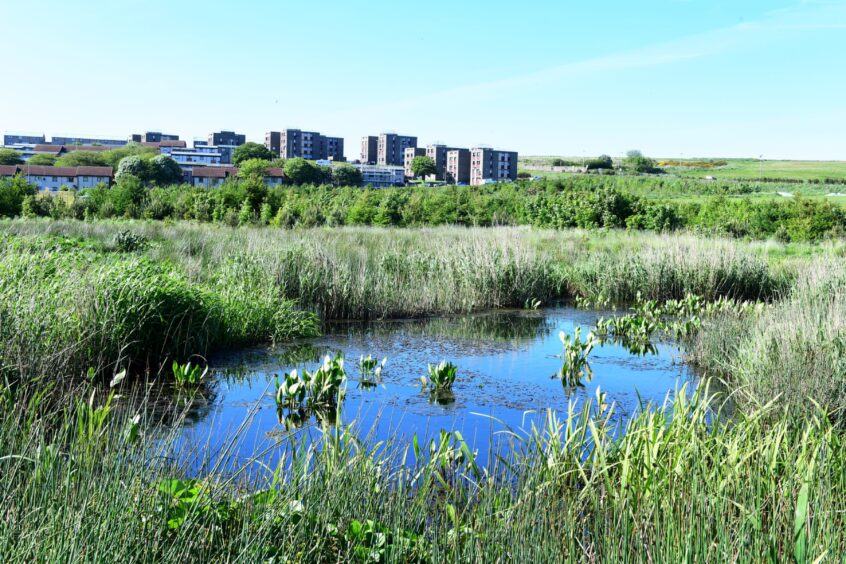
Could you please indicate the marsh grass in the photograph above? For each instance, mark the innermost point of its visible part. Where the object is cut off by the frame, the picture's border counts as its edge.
(677, 483)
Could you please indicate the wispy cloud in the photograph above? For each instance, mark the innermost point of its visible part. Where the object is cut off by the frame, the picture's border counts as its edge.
(807, 15)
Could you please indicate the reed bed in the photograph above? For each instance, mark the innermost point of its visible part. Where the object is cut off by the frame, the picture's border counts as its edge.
(677, 485)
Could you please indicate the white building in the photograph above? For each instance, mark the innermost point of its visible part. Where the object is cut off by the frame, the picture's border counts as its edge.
(381, 176)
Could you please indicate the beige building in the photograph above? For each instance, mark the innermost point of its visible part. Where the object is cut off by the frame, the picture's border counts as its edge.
(490, 165)
(457, 168)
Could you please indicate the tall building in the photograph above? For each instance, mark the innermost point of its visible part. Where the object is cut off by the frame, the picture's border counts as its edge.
(273, 140)
(391, 148)
(457, 168)
(409, 154)
(293, 143)
(23, 139)
(228, 138)
(369, 149)
(334, 148)
(438, 153)
(491, 165)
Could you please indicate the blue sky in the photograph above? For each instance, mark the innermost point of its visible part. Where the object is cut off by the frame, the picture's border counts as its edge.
(671, 78)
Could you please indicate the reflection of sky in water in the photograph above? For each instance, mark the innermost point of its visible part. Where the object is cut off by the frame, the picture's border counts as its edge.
(505, 365)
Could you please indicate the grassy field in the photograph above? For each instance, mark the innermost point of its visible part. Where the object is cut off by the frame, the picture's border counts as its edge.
(684, 482)
(743, 169)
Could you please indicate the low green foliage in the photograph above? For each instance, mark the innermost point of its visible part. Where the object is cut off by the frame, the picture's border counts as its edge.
(575, 366)
(440, 378)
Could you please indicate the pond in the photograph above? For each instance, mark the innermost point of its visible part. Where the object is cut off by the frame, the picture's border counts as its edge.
(506, 365)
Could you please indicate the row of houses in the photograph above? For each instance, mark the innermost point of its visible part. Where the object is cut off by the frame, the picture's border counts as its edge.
(54, 178)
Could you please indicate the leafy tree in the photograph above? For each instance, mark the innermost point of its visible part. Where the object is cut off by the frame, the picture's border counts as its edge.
(278, 162)
(346, 175)
(10, 157)
(128, 194)
(113, 156)
(131, 166)
(81, 158)
(600, 162)
(13, 191)
(422, 166)
(254, 168)
(42, 159)
(636, 162)
(251, 151)
(163, 170)
(301, 171)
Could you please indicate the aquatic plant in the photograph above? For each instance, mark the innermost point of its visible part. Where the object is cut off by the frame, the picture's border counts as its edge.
(188, 374)
(575, 365)
(440, 377)
(371, 370)
(320, 389)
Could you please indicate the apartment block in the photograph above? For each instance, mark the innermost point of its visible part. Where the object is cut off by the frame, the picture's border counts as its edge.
(438, 153)
(23, 139)
(369, 149)
(334, 149)
(409, 154)
(490, 165)
(273, 140)
(457, 167)
(227, 138)
(391, 148)
(311, 145)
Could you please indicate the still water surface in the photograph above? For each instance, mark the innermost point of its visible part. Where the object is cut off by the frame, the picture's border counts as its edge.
(506, 361)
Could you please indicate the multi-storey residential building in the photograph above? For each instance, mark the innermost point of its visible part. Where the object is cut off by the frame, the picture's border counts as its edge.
(334, 149)
(205, 155)
(490, 165)
(273, 141)
(391, 148)
(438, 153)
(53, 178)
(228, 138)
(154, 137)
(408, 157)
(457, 168)
(57, 140)
(369, 149)
(23, 139)
(381, 176)
(311, 145)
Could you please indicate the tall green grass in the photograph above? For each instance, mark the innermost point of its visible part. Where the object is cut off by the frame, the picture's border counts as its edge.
(678, 485)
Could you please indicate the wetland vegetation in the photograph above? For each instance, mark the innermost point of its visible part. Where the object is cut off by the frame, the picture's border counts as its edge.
(84, 301)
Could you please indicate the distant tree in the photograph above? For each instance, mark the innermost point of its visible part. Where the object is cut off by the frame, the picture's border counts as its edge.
(132, 165)
(558, 161)
(524, 174)
(10, 157)
(251, 151)
(81, 158)
(113, 156)
(346, 175)
(600, 162)
(422, 166)
(301, 171)
(636, 162)
(278, 162)
(163, 170)
(254, 168)
(13, 191)
(42, 159)
(128, 193)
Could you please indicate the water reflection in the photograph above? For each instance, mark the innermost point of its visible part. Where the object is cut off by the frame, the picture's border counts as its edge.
(504, 362)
